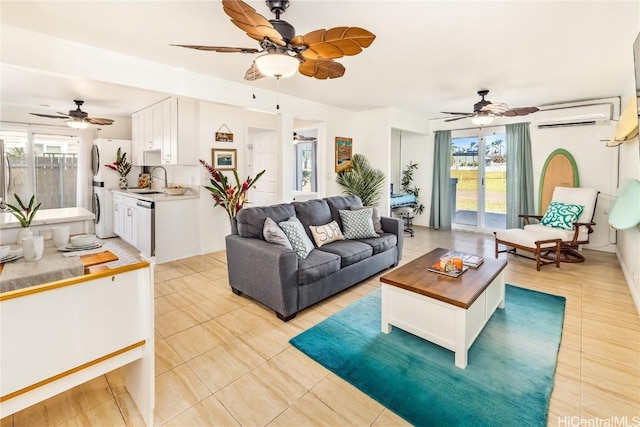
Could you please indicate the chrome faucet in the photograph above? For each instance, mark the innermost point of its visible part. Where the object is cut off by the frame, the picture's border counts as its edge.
(166, 184)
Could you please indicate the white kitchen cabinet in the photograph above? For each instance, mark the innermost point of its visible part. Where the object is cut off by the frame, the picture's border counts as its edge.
(155, 139)
(180, 122)
(125, 219)
(137, 138)
(130, 221)
(118, 214)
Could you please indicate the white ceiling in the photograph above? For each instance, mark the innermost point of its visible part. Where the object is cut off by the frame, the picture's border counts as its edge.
(429, 56)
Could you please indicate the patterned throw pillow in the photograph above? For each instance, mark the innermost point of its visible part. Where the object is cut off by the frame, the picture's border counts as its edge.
(358, 224)
(274, 234)
(561, 215)
(299, 240)
(327, 233)
(377, 225)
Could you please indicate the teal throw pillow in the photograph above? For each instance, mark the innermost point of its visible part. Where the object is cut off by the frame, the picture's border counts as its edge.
(358, 224)
(561, 215)
(299, 240)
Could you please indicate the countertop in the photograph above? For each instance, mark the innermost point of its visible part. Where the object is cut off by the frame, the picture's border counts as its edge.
(192, 193)
(48, 216)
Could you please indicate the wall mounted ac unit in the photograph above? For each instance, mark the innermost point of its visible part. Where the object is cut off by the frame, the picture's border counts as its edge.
(580, 115)
(570, 122)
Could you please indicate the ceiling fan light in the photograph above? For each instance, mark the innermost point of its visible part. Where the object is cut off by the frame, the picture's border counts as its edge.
(482, 119)
(277, 65)
(77, 124)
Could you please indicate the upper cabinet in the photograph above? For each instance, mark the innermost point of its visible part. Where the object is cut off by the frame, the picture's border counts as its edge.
(170, 127)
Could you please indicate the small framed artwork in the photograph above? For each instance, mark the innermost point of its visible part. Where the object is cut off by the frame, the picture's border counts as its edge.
(224, 159)
(224, 136)
(343, 154)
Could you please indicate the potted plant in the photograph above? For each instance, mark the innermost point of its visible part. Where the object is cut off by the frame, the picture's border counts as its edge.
(123, 167)
(407, 179)
(232, 199)
(362, 180)
(24, 214)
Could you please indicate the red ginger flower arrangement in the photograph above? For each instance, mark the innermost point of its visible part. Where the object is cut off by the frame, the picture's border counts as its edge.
(230, 198)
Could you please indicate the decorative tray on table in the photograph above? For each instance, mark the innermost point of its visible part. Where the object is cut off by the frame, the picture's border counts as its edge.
(452, 273)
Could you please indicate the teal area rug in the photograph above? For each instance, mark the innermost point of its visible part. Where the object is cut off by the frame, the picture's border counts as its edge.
(507, 382)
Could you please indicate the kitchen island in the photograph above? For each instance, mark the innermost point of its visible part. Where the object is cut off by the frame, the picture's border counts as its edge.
(57, 335)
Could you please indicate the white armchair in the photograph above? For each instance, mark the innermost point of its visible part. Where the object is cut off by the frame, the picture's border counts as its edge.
(565, 226)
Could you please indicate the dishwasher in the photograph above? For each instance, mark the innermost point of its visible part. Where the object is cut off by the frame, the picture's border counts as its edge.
(146, 227)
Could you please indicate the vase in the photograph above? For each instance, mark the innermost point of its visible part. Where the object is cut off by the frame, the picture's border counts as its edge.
(234, 225)
(123, 183)
(23, 234)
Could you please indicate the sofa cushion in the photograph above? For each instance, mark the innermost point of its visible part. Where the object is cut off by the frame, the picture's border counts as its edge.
(357, 224)
(350, 251)
(317, 265)
(340, 203)
(312, 212)
(272, 233)
(323, 234)
(375, 217)
(382, 243)
(251, 220)
(300, 243)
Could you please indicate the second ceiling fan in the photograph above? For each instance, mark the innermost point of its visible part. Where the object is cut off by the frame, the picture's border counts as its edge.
(285, 53)
(484, 111)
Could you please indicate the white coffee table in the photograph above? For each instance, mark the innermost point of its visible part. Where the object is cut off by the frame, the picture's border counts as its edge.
(450, 312)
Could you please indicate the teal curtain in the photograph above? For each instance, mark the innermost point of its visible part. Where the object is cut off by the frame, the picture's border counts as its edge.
(441, 193)
(519, 174)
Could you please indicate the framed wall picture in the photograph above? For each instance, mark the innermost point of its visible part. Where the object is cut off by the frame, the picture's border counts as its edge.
(224, 159)
(343, 153)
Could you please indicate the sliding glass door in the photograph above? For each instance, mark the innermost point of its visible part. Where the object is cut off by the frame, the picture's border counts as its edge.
(478, 179)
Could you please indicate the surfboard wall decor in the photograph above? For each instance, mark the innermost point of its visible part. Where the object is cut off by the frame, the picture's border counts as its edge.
(559, 170)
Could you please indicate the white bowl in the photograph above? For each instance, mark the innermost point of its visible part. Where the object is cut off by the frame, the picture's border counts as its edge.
(82, 240)
(4, 251)
(175, 191)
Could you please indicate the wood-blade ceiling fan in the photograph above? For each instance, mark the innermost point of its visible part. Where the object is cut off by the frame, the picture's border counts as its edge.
(312, 54)
(486, 108)
(77, 118)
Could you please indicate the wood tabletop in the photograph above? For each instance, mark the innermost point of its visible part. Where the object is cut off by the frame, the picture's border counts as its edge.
(460, 291)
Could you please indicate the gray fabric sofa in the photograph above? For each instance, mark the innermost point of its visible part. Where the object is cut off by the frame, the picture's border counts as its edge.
(274, 275)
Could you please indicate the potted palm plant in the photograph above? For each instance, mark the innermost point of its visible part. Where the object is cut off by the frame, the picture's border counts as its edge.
(362, 180)
(24, 214)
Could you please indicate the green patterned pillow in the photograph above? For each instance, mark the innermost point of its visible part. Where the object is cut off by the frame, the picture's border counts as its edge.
(561, 215)
(299, 240)
(358, 224)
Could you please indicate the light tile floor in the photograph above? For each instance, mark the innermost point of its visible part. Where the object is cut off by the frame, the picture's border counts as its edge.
(223, 359)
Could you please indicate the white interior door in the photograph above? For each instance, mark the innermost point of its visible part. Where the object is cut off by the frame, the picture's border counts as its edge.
(265, 157)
